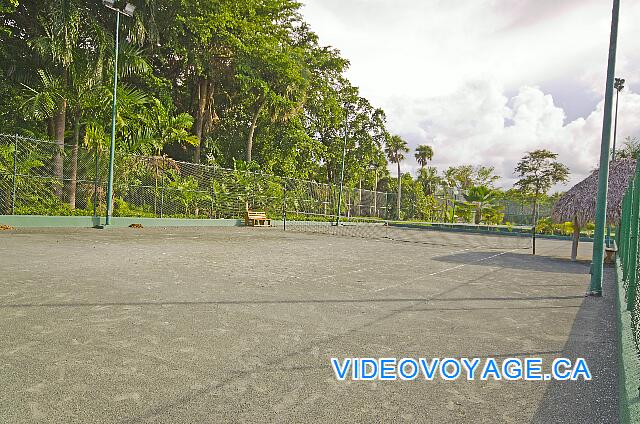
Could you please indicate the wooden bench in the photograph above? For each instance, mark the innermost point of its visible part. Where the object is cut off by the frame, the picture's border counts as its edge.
(256, 219)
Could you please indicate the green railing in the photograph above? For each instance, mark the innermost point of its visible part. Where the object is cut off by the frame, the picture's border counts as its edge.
(627, 241)
(627, 270)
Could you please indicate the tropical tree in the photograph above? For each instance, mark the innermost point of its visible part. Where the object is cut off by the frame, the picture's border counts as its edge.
(429, 179)
(213, 80)
(152, 127)
(277, 84)
(423, 155)
(58, 39)
(396, 148)
(485, 175)
(538, 171)
(480, 198)
(466, 176)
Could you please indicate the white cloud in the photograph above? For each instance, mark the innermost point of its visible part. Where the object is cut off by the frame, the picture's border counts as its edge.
(479, 125)
(480, 76)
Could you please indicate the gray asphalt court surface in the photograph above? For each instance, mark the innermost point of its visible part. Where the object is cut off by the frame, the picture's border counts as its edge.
(209, 325)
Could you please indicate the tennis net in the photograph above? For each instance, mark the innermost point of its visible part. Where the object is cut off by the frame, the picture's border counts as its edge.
(441, 234)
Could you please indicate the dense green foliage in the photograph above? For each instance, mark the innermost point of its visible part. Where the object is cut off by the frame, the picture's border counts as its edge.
(239, 84)
(208, 81)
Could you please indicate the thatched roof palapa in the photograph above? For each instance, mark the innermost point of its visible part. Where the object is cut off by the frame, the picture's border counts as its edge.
(580, 200)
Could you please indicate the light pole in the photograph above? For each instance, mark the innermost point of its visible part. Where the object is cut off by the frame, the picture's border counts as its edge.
(454, 193)
(618, 85)
(128, 11)
(595, 288)
(344, 154)
(374, 167)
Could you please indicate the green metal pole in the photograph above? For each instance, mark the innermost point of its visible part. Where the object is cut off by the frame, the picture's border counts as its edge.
(453, 211)
(633, 248)
(615, 127)
(613, 155)
(95, 184)
(162, 189)
(112, 147)
(595, 288)
(284, 207)
(627, 223)
(344, 154)
(624, 233)
(15, 175)
(535, 222)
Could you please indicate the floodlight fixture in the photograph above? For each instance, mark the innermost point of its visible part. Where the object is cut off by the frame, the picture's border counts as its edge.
(129, 9)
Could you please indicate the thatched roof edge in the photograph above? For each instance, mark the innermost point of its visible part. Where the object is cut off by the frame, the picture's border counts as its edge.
(580, 200)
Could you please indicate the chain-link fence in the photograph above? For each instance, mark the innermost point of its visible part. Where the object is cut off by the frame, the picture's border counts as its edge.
(522, 213)
(40, 177)
(628, 251)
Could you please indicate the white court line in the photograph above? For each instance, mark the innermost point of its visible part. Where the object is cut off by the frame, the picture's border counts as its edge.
(444, 270)
(474, 262)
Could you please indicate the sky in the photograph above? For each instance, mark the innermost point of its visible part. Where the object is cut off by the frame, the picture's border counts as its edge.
(485, 81)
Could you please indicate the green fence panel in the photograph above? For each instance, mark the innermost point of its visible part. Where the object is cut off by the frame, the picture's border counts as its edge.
(633, 245)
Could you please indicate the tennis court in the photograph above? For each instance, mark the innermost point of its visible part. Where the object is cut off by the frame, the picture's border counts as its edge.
(237, 324)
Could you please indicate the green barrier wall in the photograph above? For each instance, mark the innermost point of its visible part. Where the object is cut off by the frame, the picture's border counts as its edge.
(34, 221)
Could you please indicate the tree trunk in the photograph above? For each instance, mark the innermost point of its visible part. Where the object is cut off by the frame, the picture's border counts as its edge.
(51, 130)
(59, 119)
(210, 115)
(203, 86)
(252, 129)
(399, 189)
(576, 239)
(73, 172)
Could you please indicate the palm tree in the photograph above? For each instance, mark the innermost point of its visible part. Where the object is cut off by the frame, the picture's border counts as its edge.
(430, 179)
(423, 155)
(156, 127)
(479, 197)
(57, 49)
(44, 103)
(395, 149)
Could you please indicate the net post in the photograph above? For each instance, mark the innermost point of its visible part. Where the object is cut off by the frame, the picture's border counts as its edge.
(15, 175)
